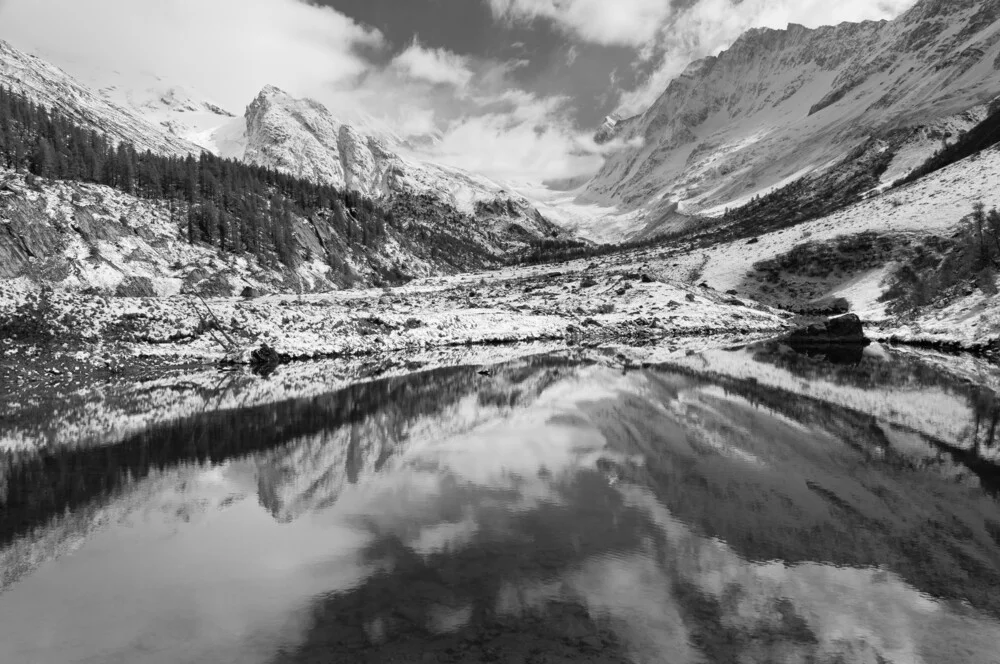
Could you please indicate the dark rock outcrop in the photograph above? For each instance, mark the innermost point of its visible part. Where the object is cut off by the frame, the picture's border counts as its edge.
(264, 360)
(842, 330)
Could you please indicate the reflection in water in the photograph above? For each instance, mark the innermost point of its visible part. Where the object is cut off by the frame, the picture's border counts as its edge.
(747, 506)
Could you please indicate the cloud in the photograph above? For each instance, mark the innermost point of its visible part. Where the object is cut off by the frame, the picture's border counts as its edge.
(517, 136)
(229, 49)
(709, 26)
(434, 65)
(622, 22)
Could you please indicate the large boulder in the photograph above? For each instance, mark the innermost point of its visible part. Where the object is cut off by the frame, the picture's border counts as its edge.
(842, 330)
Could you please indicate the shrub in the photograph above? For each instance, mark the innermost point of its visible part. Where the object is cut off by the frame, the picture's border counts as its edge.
(941, 269)
(32, 321)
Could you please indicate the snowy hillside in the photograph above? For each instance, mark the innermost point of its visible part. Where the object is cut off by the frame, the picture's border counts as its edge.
(782, 103)
(54, 88)
(934, 204)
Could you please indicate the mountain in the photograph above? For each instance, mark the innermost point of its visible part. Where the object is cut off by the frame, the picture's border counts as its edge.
(302, 137)
(332, 206)
(781, 104)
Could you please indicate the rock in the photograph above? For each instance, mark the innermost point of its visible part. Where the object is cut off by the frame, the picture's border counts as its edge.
(830, 306)
(689, 297)
(250, 292)
(200, 282)
(842, 330)
(135, 287)
(265, 359)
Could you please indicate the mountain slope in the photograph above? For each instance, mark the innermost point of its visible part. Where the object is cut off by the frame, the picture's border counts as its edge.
(53, 88)
(780, 104)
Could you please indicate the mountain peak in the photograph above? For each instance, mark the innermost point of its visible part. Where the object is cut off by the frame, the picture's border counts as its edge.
(269, 91)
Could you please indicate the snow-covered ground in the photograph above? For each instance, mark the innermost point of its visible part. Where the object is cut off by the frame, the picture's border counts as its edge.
(935, 204)
(576, 302)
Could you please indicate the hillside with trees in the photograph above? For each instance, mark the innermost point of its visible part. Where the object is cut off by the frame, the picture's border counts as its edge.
(242, 209)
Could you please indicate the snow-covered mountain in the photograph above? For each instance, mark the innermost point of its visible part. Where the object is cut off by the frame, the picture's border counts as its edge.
(302, 137)
(178, 110)
(779, 104)
(50, 86)
(298, 136)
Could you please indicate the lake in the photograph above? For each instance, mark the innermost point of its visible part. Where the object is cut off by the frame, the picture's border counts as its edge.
(739, 505)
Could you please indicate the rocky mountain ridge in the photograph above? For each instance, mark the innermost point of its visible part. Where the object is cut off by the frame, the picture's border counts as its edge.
(302, 137)
(779, 104)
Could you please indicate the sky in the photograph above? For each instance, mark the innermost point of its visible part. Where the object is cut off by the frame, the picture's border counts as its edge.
(513, 89)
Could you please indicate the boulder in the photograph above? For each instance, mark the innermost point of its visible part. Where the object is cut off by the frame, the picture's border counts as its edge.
(135, 287)
(842, 330)
(265, 359)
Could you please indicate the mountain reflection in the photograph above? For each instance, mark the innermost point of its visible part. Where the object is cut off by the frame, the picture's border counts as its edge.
(746, 506)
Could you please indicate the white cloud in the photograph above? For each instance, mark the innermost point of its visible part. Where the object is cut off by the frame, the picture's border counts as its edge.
(229, 49)
(708, 26)
(625, 22)
(434, 65)
(530, 139)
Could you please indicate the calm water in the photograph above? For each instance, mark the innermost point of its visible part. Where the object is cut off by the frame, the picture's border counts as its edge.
(738, 506)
